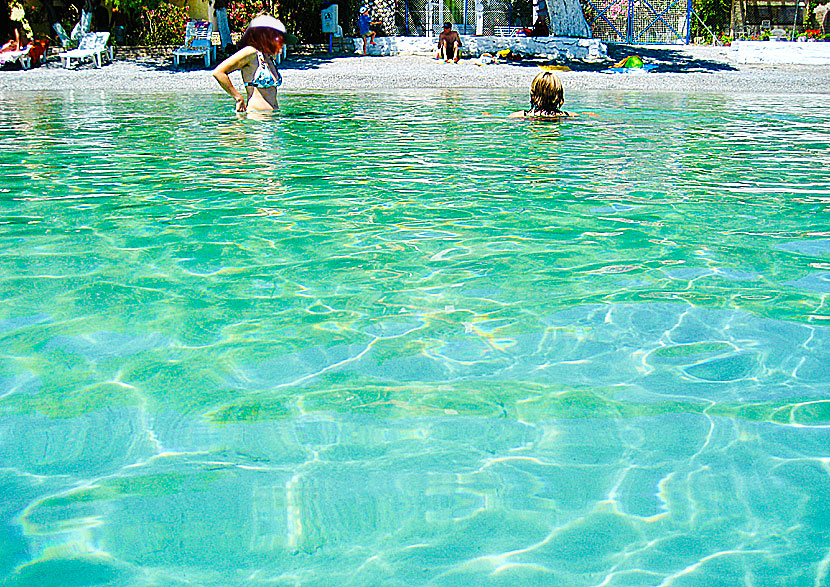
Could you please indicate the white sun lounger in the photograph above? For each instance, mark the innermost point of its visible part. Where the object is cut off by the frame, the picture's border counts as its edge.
(197, 42)
(91, 45)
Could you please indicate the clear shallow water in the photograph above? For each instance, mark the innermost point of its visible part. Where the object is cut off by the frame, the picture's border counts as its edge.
(387, 339)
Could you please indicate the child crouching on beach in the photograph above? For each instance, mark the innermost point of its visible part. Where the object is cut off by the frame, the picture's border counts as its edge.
(546, 98)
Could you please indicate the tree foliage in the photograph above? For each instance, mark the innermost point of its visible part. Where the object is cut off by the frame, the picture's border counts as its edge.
(134, 13)
(5, 22)
(715, 13)
(301, 17)
(163, 25)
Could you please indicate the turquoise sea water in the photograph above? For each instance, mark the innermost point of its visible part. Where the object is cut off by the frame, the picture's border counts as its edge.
(397, 339)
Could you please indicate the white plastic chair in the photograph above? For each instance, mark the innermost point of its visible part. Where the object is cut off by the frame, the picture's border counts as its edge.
(90, 45)
(197, 42)
(506, 31)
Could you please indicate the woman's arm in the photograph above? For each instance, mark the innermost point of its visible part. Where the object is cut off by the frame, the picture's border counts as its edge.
(233, 63)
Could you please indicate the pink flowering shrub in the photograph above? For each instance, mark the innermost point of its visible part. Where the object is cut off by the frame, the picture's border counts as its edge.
(619, 9)
(240, 12)
(301, 17)
(164, 25)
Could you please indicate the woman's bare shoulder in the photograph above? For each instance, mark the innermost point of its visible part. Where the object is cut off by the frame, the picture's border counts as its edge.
(238, 60)
(543, 115)
(244, 54)
(560, 115)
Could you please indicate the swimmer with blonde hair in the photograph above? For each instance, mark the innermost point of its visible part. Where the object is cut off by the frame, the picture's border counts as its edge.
(546, 98)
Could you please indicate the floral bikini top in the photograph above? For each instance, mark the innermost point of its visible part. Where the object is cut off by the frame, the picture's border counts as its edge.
(263, 78)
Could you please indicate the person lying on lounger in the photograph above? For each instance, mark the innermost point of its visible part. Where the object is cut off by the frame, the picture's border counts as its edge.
(19, 42)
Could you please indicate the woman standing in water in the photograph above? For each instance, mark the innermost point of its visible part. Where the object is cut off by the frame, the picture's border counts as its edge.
(263, 40)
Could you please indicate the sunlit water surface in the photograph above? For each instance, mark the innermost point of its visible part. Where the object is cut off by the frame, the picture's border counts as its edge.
(398, 339)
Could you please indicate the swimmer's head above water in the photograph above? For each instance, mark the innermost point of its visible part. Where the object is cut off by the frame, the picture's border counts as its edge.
(546, 94)
(546, 99)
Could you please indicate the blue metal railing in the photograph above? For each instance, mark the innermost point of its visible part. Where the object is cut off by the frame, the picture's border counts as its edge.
(659, 17)
(601, 14)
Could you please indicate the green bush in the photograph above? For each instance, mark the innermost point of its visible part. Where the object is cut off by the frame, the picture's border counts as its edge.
(810, 21)
(715, 13)
(241, 12)
(301, 17)
(163, 25)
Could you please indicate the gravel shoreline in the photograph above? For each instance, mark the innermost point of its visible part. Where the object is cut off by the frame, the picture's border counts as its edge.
(685, 69)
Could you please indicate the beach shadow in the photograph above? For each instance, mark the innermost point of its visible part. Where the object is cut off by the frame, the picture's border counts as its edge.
(668, 58)
(165, 63)
(299, 61)
(295, 60)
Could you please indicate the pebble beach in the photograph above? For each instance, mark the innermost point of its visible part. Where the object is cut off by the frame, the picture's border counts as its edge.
(682, 69)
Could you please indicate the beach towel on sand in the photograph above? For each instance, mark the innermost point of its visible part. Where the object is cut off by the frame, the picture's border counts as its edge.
(631, 64)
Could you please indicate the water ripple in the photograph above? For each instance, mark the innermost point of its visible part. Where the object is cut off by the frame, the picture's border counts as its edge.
(397, 338)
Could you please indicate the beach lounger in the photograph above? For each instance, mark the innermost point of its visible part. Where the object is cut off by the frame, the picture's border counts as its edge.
(66, 42)
(197, 42)
(90, 45)
(506, 31)
(27, 57)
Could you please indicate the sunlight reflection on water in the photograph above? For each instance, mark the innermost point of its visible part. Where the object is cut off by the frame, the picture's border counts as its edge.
(390, 339)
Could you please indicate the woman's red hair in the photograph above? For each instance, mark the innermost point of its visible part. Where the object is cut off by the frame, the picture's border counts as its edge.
(263, 39)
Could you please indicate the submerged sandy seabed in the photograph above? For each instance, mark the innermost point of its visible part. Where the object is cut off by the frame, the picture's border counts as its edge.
(682, 69)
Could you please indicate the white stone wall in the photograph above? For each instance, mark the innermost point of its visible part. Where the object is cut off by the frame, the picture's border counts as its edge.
(549, 47)
(817, 53)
